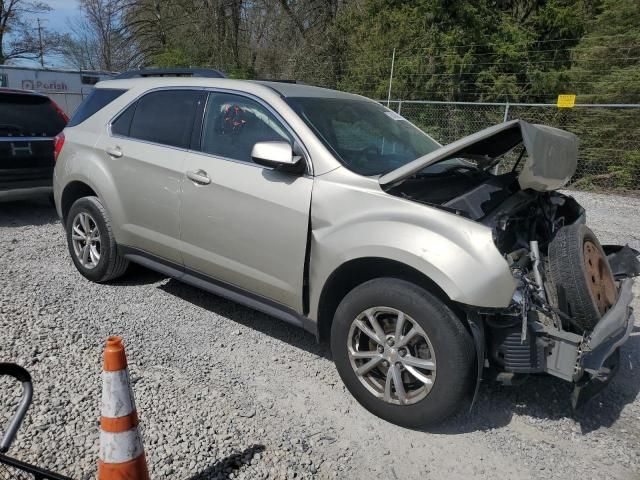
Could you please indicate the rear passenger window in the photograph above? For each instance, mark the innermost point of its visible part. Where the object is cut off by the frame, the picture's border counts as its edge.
(164, 117)
(233, 124)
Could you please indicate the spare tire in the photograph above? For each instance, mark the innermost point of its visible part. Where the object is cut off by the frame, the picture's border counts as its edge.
(579, 266)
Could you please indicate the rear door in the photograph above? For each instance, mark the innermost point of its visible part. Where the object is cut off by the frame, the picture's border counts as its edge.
(145, 153)
(28, 124)
(244, 224)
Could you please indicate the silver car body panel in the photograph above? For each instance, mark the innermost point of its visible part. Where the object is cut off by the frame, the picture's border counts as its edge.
(551, 161)
(352, 218)
(248, 227)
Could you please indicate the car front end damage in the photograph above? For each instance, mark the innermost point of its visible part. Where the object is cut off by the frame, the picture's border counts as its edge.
(536, 334)
(571, 310)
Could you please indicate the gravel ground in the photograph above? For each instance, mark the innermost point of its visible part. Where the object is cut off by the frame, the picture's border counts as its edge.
(226, 392)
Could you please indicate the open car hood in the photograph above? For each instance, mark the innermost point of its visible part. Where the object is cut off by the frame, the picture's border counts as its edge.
(552, 154)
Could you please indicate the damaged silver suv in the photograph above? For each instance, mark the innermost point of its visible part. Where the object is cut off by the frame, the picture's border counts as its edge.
(425, 268)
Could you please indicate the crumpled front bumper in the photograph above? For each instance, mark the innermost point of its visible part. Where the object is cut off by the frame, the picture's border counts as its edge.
(599, 351)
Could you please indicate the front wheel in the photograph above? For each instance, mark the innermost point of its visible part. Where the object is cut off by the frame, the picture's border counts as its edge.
(402, 353)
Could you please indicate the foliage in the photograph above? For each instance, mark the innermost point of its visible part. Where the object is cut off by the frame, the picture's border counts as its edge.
(462, 50)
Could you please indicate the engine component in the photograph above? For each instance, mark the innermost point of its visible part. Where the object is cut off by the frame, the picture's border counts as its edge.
(512, 353)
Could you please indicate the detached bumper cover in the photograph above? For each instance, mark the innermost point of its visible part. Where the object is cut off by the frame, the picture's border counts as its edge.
(599, 360)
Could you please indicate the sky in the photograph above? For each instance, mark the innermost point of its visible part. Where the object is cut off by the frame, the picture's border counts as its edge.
(56, 20)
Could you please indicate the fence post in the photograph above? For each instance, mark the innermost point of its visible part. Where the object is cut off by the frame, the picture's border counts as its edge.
(393, 61)
(399, 106)
(506, 112)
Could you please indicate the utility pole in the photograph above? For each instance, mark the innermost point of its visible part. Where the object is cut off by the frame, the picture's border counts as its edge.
(393, 61)
(40, 44)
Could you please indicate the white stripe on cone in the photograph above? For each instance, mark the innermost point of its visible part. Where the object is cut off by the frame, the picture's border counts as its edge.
(117, 397)
(120, 447)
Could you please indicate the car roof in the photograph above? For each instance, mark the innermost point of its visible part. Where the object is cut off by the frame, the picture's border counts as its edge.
(287, 89)
(21, 92)
(284, 89)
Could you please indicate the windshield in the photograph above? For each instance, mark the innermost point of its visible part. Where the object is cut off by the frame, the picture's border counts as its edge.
(365, 136)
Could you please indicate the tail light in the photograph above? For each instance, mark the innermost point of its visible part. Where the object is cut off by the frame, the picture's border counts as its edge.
(60, 112)
(58, 143)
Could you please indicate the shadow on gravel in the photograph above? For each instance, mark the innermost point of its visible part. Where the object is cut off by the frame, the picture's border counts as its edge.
(222, 469)
(137, 275)
(249, 318)
(34, 211)
(543, 397)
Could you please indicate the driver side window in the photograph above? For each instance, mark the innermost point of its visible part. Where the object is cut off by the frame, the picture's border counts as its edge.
(233, 124)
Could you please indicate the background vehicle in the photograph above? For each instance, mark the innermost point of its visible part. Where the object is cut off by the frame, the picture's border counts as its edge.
(66, 87)
(333, 213)
(29, 122)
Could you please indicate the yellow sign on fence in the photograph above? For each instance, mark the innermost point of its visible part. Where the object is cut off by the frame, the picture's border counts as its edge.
(566, 101)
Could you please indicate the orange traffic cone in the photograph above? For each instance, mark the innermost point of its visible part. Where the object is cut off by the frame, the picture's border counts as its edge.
(121, 451)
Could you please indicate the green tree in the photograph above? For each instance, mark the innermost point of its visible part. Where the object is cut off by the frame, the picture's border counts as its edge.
(480, 50)
(606, 69)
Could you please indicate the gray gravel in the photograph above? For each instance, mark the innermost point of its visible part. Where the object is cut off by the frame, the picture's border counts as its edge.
(225, 392)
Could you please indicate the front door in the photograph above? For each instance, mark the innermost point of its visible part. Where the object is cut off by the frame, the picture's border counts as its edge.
(244, 224)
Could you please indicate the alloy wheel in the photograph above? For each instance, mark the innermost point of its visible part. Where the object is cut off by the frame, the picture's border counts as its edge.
(85, 237)
(391, 355)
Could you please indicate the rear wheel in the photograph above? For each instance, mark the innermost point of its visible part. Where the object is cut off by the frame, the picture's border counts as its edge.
(578, 264)
(402, 353)
(91, 242)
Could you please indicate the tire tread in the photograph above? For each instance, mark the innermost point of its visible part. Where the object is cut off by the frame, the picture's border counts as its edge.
(117, 264)
(454, 345)
(566, 264)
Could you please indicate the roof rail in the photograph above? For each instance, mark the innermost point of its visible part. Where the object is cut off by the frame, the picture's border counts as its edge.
(277, 80)
(171, 72)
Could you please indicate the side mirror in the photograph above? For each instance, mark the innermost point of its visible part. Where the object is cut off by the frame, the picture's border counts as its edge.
(277, 155)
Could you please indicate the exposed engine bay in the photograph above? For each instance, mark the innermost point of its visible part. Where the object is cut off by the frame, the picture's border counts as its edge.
(571, 310)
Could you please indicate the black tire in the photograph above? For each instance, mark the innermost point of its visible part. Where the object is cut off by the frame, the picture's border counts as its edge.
(568, 269)
(452, 344)
(111, 264)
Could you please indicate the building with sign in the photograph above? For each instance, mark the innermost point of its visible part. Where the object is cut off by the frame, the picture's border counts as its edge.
(66, 87)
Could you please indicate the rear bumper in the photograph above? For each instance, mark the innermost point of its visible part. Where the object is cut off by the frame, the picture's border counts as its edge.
(25, 182)
(25, 192)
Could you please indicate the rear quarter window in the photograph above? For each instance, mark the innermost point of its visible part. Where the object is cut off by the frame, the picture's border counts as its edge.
(97, 100)
(28, 116)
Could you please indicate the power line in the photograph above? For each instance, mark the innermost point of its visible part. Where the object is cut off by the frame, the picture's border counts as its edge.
(574, 39)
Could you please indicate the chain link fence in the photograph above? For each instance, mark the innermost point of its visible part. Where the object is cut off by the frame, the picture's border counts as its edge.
(609, 152)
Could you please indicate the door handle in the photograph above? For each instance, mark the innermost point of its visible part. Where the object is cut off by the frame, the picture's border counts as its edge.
(114, 152)
(199, 176)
